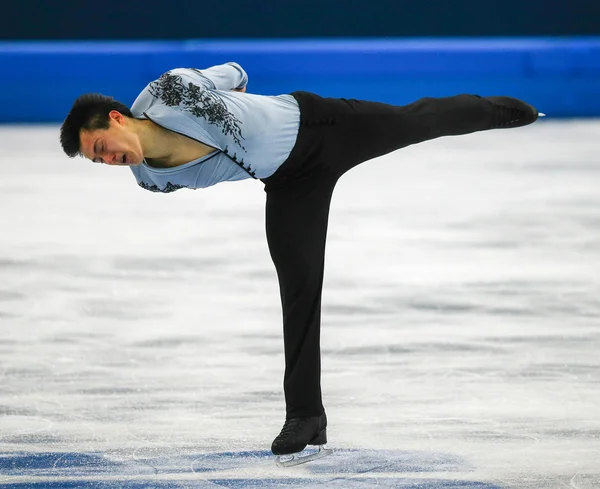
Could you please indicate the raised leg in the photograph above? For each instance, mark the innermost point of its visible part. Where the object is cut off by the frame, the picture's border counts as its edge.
(358, 130)
(372, 129)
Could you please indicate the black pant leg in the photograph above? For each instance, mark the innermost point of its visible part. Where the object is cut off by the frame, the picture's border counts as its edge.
(296, 226)
(362, 130)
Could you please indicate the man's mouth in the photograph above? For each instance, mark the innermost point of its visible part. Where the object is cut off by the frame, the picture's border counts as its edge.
(124, 159)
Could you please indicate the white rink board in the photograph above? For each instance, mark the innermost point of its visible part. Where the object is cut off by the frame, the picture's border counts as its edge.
(140, 333)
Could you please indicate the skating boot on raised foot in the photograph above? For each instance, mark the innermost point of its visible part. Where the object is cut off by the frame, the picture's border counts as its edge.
(511, 112)
(295, 435)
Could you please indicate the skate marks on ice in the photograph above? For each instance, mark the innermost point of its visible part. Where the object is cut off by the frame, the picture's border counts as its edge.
(349, 469)
(460, 314)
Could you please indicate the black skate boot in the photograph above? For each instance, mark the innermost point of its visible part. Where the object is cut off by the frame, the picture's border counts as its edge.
(296, 434)
(511, 112)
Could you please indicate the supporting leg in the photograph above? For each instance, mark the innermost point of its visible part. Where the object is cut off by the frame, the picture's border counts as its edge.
(296, 225)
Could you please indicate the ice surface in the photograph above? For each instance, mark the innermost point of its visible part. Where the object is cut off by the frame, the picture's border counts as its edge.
(140, 333)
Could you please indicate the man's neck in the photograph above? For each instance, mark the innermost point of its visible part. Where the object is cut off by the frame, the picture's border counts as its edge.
(157, 143)
(163, 148)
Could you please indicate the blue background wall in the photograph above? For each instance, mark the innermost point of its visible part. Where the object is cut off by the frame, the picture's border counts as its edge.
(53, 52)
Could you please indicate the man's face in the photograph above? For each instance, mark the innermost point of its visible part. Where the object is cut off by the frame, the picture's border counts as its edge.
(117, 145)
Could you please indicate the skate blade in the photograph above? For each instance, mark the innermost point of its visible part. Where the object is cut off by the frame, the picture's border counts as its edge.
(294, 459)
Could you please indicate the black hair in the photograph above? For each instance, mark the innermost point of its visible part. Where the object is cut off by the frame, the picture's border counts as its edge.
(89, 112)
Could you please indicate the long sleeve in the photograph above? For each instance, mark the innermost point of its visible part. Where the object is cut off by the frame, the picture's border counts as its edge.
(221, 77)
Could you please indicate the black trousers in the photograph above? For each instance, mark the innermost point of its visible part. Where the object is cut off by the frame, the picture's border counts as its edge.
(335, 135)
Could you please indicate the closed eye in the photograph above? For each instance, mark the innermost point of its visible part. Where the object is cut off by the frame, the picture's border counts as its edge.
(96, 159)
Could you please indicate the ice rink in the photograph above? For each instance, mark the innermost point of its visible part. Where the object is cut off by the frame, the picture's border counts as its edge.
(141, 340)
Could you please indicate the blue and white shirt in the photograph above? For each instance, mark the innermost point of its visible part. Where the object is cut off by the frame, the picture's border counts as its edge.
(252, 134)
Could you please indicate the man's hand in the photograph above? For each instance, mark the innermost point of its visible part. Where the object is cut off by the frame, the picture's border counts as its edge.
(243, 89)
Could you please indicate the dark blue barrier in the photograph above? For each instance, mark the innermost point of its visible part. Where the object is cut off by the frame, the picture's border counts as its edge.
(40, 80)
(271, 19)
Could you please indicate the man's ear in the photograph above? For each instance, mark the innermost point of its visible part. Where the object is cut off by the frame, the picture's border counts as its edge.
(116, 116)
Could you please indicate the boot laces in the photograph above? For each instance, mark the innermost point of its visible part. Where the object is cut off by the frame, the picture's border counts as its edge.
(510, 114)
(292, 426)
